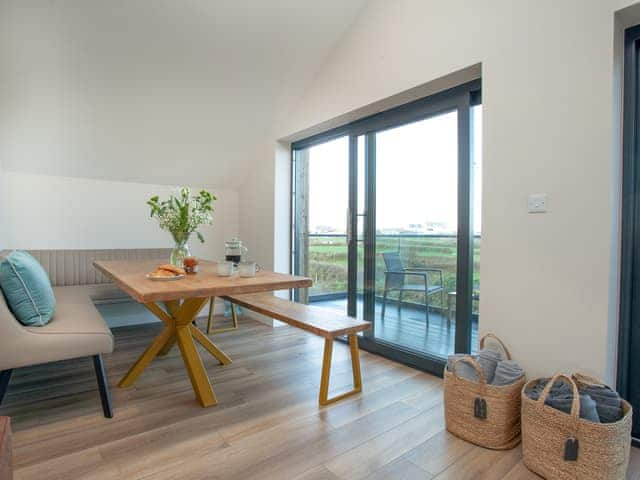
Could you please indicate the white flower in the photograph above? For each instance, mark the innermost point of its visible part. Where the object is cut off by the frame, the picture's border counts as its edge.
(183, 213)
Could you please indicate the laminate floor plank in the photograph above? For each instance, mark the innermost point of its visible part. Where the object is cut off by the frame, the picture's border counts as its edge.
(267, 425)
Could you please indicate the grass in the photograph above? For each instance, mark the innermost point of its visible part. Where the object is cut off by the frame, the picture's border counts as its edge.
(328, 262)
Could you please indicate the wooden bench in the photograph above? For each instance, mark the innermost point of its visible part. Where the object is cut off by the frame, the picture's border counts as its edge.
(320, 321)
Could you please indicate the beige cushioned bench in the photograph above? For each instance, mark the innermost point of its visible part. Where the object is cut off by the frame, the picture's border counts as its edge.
(77, 329)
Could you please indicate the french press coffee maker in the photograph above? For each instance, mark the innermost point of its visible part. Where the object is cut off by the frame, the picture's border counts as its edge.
(234, 250)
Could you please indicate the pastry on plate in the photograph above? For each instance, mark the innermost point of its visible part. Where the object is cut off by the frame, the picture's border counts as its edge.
(167, 271)
(172, 268)
(162, 273)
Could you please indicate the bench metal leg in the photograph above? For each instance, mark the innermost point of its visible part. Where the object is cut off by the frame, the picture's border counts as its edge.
(326, 370)
(103, 386)
(5, 377)
(234, 318)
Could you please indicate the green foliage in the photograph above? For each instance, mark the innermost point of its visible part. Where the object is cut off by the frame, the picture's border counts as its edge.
(183, 214)
(328, 262)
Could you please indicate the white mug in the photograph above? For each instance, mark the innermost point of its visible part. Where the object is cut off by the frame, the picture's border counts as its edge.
(248, 269)
(224, 268)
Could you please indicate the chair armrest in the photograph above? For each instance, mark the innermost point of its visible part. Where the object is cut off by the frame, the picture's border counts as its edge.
(439, 271)
(423, 269)
(410, 274)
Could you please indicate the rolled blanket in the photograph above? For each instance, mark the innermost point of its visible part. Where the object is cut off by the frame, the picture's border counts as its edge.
(463, 369)
(507, 372)
(608, 414)
(608, 402)
(563, 403)
(488, 361)
(559, 388)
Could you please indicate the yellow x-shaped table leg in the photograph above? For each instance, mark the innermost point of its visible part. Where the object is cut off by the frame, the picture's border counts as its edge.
(178, 328)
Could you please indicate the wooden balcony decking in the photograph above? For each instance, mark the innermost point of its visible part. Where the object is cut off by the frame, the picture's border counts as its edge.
(408, 330)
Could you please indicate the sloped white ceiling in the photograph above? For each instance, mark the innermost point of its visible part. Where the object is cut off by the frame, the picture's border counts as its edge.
(161, 91)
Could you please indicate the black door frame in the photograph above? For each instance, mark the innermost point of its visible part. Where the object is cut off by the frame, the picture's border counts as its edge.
(628, 329)
(459, 99)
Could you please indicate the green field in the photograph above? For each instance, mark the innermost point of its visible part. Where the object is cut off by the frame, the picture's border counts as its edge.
(328, 261)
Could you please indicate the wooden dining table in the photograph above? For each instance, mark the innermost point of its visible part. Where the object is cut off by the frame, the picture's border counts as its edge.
(177, 303)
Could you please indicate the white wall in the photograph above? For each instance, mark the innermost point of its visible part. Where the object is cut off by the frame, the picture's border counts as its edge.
(548, 282)
(65, 212)
(154, 92)
(97, 94)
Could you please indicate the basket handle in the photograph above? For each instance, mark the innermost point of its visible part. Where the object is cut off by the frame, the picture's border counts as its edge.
(470, 360)
(581, 378)
(498, 341)
(575, 404)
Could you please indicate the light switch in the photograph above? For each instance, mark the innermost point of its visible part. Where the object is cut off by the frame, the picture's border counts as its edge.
(537, 203)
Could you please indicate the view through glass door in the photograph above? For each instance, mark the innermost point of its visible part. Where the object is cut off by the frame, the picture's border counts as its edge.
(387, 224)
(321, 197)
(416, 234)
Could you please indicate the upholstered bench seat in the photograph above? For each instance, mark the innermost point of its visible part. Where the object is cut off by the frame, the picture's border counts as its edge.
(101, 293)
(76, 330)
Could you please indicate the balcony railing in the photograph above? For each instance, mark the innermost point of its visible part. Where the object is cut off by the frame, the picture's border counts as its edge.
(327, 261)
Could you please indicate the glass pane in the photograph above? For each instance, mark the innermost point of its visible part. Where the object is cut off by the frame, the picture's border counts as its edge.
(476, 158)
(321, 201)
(416, 234)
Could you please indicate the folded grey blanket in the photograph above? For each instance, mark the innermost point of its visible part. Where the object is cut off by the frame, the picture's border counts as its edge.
(488, 361)
(496, 370)
(608, 402)
(507, 372)
(563, 403)
(559, 388)
(595, 400)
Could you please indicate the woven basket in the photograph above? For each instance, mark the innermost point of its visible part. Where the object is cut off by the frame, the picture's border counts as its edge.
(496, 424)
(549, 436)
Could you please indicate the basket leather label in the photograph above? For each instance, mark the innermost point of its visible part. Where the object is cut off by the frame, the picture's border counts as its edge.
(571, 450)
(480, 408)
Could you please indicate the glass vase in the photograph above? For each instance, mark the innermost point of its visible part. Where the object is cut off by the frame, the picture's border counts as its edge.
(180, 250)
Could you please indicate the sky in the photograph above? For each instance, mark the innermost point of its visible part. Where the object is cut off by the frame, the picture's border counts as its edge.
(416, 175)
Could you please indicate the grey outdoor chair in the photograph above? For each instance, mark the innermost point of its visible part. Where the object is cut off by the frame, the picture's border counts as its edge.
(395, 279)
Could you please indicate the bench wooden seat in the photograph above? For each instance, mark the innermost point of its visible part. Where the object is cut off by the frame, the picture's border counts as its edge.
(320, 321)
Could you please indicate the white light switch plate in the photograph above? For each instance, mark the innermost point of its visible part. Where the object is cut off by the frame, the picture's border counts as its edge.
(537, 203)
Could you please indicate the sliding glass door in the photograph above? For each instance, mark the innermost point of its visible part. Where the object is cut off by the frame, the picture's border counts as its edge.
(384, 225)
(416, 234)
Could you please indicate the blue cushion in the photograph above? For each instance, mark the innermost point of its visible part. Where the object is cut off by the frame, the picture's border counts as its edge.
(27, 288)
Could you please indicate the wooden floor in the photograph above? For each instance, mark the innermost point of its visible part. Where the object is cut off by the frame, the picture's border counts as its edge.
(267, 425)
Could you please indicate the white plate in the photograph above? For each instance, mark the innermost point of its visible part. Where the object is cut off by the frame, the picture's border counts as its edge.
(165, 279)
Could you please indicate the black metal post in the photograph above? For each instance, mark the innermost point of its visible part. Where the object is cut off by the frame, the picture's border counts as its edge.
(5, 377)
(103, 386)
